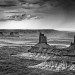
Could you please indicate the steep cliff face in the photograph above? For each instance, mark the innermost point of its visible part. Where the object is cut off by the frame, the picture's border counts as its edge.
(41, 46)
(42, 38)
(73, 44)
(71, 49)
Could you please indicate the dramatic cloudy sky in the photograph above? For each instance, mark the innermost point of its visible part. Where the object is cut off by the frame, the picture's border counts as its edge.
(37, 14)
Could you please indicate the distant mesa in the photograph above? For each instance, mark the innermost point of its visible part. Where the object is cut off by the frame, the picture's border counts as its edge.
(14, 34)
(41, 46)
(9, 34)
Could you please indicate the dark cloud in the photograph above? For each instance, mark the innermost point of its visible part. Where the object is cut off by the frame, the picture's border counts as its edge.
(63, 3)
(8, 3)
(30, 1)
(37, 6)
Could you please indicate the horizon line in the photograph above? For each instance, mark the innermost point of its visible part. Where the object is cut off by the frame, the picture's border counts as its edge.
(41, 29)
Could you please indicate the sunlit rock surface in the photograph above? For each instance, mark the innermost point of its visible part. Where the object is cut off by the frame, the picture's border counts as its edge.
(54, 66)
(50, 63)
(72, 67)
(35, 56)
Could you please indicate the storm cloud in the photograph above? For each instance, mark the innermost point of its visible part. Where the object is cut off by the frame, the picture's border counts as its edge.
(36, 7)
(8, 3)
(54, 12)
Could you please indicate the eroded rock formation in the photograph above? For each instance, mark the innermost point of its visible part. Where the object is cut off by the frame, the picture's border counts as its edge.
(42, 38)
(41, 46)
(73, 42)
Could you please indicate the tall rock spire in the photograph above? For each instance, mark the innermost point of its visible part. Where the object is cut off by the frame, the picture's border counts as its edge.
(73, 42)
(41, 46)
(42, 38)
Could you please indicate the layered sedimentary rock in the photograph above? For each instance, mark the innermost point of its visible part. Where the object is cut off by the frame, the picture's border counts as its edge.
(41, 46)
(55, 66)
(70, 51)
(73, 42)
(72, 46)
(42, 38)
